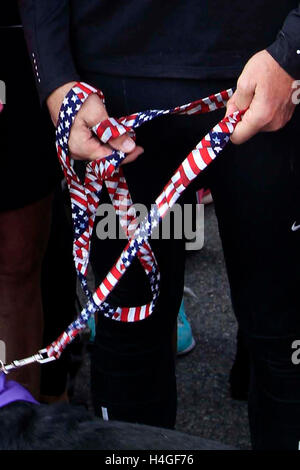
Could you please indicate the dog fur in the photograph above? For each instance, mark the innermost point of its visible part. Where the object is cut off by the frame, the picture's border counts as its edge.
(25, 426)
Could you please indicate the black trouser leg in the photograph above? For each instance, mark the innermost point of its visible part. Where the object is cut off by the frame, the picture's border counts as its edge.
(132, 367)
(133, 370)
(255, 189)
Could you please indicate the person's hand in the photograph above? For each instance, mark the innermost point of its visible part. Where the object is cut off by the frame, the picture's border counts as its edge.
(266, 89)
(83, 144)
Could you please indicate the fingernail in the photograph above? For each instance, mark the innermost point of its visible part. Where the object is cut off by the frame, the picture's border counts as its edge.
(128, 145)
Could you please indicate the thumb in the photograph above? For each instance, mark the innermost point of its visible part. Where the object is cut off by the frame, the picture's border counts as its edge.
(124, 143)
(241, 99)
(244, 94)
(231, 107)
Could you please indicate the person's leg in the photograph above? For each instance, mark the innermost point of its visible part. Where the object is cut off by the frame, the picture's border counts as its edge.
(255, 188)
(133, 370)
(23, 239)
(239, 376)
(29, 171)
(133, 367)
(58, 281)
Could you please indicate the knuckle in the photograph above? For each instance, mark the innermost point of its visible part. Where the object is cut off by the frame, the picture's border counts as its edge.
(243, 84)
(102, 151)
(272, 127)
(275, 124)
(266, 116)
(261, 120)
(230, 104)
(279, 123)
(72, 147)
(236, 139)
(288, 118)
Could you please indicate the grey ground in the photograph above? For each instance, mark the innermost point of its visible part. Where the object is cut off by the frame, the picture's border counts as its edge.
(204, 406)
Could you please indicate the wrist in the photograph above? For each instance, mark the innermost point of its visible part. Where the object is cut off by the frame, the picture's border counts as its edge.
(56, 98)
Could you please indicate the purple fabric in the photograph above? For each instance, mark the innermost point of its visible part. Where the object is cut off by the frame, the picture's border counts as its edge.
(11, 391)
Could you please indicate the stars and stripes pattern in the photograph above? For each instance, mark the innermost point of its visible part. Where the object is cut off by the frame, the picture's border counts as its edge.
(85, 200)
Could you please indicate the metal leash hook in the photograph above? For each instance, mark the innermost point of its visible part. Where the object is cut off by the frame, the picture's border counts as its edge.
(41, 357)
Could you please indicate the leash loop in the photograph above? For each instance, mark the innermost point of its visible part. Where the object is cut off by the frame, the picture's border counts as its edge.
(107, 171)
(111, 129)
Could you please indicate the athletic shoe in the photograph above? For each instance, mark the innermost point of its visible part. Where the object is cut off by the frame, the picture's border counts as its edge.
(92, 328)
(185, 340)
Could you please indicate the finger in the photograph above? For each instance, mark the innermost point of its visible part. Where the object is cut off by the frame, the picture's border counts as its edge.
(124, 143)
(244, 94)
(91, 149)
(248, 127)
(133, 155)
(92, 111)
(245, 98)
(83, 145)
(231, 107)
(103, 151)
(281, 118)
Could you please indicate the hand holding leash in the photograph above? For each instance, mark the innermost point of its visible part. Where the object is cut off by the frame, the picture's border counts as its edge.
(266, 90)
(83, 144)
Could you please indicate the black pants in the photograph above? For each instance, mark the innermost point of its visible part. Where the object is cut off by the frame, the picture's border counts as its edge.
(255, 189)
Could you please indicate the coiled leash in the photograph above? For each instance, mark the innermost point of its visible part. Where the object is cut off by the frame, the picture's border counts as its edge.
(85, 201)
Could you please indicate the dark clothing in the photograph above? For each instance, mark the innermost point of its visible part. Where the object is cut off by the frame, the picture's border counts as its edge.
(29, 165)
(133, 367)
(257, 198)
(10, 14)
(255, 188)
(197, 39)
(58, 283)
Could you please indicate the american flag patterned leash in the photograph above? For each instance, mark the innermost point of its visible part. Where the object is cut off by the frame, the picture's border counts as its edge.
(85, 201)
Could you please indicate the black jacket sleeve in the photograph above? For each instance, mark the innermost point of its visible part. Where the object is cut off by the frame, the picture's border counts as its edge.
(286, 48)
(47, 32)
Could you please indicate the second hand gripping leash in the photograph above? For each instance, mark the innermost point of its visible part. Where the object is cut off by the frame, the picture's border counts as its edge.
(85, 201)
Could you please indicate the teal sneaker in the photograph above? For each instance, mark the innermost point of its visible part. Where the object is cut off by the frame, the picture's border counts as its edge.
(185, 339)
(92, 328)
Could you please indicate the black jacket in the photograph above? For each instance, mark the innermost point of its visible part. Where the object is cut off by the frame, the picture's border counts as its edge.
(200, 39)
